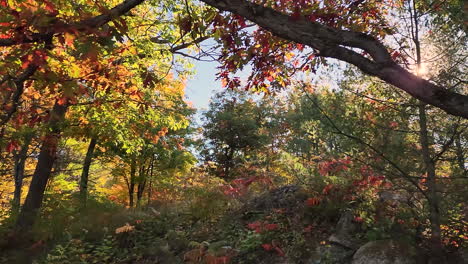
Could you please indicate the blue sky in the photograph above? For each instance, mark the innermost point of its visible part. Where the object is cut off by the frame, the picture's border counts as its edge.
(203, 84)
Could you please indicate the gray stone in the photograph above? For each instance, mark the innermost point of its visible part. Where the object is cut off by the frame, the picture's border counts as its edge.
(385, 252)
(345, 232)
(331, 254)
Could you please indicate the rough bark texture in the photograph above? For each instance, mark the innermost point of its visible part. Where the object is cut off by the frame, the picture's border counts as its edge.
(44, 165)
(335, 43)
(85, 172)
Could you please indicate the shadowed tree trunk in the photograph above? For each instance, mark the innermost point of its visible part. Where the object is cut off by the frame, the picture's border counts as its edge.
(429, 164)
(432, 189)
(460, 155)
(131, 184)
(20, 162)
(43, 169)
(143, 179)
(85, 173)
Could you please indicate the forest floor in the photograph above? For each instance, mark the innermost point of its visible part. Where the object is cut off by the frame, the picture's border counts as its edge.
(278, 226)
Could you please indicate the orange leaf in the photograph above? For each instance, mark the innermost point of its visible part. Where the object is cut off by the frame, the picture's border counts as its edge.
(313, 201)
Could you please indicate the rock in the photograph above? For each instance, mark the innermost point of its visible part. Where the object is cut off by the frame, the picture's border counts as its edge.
(345, 232)
(158, 252)
(177, 241)
(461, 256)
(385, 252)
(331, 254)
(284, 197)
(394, 197)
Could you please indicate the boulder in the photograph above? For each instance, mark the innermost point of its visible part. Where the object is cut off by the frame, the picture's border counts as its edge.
(385, 252)
(331, 254)
(284, 197)
(345, 232)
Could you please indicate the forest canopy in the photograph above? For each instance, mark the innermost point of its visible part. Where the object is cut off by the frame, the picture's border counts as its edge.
(356, 109)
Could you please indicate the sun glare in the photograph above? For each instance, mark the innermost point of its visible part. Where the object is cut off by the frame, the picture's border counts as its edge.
(422, 70)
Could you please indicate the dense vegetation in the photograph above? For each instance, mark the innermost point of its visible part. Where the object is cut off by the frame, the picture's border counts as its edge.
(303, 159)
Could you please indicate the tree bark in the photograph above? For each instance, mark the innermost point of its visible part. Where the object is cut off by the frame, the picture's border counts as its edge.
(339, 44)
(150, 187)
(43, 169)
(20, 162)
(432, 188)
(131, 184)
(459, 153)
(85, 172)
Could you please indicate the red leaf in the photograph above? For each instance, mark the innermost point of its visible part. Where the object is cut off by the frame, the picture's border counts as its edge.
(13, 145)
(358, 219)
(267, 247)
(271, 227)
(327, 189)
(313, 201)
(62, 100)
(26, 60)
(395, 55)
(296, 15)
(50, 7)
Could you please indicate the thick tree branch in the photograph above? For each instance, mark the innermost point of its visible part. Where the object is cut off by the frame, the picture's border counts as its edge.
(93, 22)
(335, 43)
(19, 86)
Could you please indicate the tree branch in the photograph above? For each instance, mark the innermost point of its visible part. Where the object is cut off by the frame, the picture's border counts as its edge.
(336, 43)
(93, 22)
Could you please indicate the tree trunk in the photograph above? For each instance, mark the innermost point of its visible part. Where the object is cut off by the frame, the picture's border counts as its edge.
(142, 180)
(85, 173)
(20, 162)
(150, 187)
(44, 165)
(131, 185)
(432, 189)
(460, 156)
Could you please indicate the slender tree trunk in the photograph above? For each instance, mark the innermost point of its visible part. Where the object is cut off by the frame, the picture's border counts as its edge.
(429, 163)
(20, 162)
(144, 172)
(150, 187)
(85, 173)
(459, 151)
(131, 185)
(432, 188)
(44, 166)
